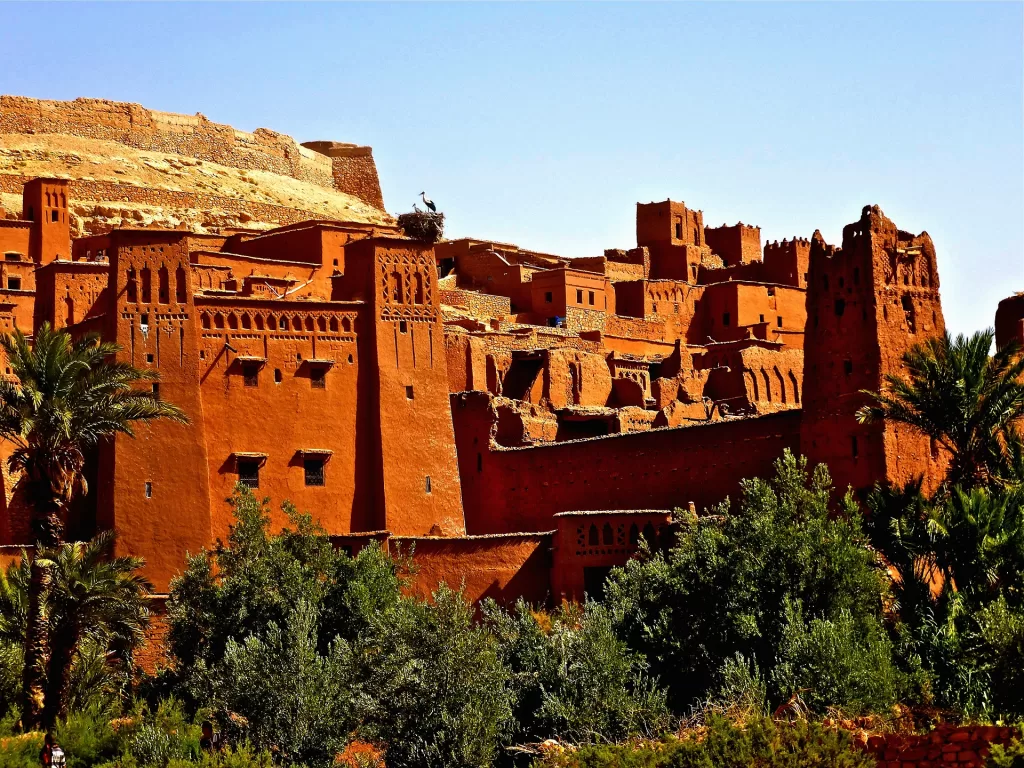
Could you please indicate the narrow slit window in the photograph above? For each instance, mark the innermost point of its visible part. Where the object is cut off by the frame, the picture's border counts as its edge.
(149, 490)
(428, 486)
(579, 296)
(590, 298)
(409, 394)
(277, 375)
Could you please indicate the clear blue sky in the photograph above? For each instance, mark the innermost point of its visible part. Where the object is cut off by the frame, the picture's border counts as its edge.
(544, 124)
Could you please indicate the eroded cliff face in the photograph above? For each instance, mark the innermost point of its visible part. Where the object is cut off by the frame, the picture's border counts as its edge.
(130, 166)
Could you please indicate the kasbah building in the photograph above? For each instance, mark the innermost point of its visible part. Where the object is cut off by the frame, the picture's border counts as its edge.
(518, 419)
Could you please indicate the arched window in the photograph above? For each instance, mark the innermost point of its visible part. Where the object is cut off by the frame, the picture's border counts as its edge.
(634, 535)
(206, 320)
(649, 536)
(418, 283)
(346, 325)
(218, 320)
(297, 324)
(334, 324)
(131, 285)
(272, 323)
(163, 294)
(284, 323)
(147, 280)
(606, 535)
(309, 323)
(396, 287)
(233, 321)
(259, 322)
(180, 289)
(246, 322)
(782, 385)
(69, 309)
(767, 386)
(593, 539)
(321, 323)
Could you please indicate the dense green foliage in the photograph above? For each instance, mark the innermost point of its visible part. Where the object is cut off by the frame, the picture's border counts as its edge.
(782, 581)
(96, 612)
(573, 678)
(759, 743)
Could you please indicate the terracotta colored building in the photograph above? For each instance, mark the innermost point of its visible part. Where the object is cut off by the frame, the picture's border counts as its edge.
(521, 419)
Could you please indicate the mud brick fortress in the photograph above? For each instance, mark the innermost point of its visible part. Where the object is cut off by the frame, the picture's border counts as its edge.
(521, 420)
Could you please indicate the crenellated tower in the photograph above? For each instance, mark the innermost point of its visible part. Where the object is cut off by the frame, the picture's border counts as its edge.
(867, 304)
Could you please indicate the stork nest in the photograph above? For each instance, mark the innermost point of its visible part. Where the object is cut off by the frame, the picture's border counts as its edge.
(422, 225)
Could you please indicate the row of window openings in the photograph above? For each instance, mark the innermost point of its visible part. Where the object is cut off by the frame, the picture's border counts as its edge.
(163, 287)
(313, 471)
(317, 375)
(727, 319)
(272, 323)
(607, 535)
(549, 297)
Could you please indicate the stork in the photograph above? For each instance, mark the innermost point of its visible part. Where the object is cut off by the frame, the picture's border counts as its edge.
(428, 202)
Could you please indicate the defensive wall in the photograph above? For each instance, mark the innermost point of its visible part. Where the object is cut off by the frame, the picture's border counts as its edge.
(514, 489)
(345, 167)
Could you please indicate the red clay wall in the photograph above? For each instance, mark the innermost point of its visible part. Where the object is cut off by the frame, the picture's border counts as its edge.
(947, 745)
(504, 568)
(515, 489)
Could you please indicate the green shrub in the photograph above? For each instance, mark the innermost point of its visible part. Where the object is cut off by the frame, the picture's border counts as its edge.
(759, 742)
(1011, 756)
(573, 678)
(725, 587)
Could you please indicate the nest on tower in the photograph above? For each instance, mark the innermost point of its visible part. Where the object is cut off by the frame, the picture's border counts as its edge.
(422, 225)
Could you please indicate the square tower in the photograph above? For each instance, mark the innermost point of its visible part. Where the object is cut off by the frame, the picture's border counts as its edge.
(45, 204)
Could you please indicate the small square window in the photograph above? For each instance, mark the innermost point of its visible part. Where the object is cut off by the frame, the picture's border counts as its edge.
(771, 291)
(408, 392)
(12, 256)
(149, 357)
(549, 297)
(318, 377)
(251, 374)
(54, 216)
(314, 470)
(249, 473)
(14, 283)
(762, 319)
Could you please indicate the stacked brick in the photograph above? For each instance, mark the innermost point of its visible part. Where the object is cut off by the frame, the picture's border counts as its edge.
(947, 746)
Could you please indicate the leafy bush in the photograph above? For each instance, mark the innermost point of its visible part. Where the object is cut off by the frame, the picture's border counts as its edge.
(1011, 756)
(726, 587)
(573, 678)
(759, 742)
(433, 689)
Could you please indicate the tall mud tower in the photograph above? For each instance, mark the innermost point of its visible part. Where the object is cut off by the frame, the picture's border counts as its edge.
(867, 304)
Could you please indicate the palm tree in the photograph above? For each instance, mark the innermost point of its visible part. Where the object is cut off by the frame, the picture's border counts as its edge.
(92, 597)
(65, 396)
(964, 399)
(96, 611)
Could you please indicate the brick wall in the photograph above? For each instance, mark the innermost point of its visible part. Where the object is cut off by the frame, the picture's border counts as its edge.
(947, 745)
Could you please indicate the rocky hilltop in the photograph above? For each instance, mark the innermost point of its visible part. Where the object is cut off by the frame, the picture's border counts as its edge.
(129, 165)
